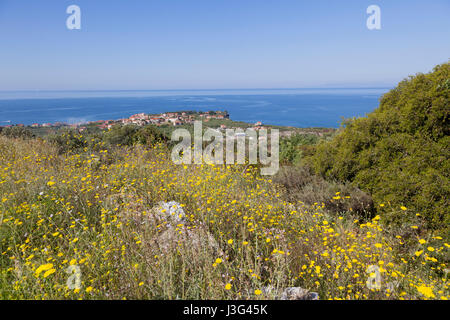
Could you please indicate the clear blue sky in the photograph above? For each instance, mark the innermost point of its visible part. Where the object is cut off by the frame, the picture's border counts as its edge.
(205, 44)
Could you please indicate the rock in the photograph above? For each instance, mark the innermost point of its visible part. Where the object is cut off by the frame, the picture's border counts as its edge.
(172, 227)
(170, 211)
(196, 239)
(297, 293)
(177, 234)
(270, 292)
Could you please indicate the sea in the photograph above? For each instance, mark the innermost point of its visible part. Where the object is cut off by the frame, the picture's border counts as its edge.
(314, 107)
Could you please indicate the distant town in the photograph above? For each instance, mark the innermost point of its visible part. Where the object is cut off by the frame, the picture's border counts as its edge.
(217, 119)
(140, 119)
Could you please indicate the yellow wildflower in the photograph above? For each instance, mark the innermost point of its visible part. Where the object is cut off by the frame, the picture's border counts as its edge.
(43, 267)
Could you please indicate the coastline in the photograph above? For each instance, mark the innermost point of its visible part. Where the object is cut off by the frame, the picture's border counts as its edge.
(308, 109)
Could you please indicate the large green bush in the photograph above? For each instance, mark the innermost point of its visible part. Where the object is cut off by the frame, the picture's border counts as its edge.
(400, 152)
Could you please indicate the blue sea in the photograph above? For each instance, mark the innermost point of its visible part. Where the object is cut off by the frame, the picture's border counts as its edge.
(285, 107)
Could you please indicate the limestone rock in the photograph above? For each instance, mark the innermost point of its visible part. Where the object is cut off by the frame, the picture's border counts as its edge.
(297, 293)
(196, 240)
(170, 211)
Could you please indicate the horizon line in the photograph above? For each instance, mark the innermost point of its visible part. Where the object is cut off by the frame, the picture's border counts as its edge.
(215, 89)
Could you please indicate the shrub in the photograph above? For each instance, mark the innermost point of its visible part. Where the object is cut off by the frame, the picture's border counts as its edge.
(16, 132)
(399, 153)
(129, 135)
(150, 136)
(292, 148)
(68, 140)
(303, 185)
(121, 135)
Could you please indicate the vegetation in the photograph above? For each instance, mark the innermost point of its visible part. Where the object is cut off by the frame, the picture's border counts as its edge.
(292, 148)
(16, 132)
(302, 184)
(93, 211)
(371, 225)
(70, 140)
(400, 152)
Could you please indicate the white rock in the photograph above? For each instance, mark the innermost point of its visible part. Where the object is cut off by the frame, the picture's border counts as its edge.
(297, 293)
(171, 211)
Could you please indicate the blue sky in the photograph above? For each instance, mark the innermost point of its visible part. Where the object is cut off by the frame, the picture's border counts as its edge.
(206, 44)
